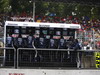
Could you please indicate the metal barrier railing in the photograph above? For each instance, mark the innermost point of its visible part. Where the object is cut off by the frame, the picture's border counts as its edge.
(4, 54)
(17, 58)
(38, 49)
(66, 50)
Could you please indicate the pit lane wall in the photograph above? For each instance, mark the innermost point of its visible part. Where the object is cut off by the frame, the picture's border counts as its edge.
(47, 72)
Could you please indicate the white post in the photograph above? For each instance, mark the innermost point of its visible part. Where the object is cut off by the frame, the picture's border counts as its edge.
(75, 34)
(4, 43)
(33, 11)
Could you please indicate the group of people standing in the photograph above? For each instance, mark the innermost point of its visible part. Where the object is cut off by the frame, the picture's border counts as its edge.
(42, 42)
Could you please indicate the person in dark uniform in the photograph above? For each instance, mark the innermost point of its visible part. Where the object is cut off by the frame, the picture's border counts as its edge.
(17, 43)
(30, 41)
(61, 45)
(27, 54)
(15, 38)
(70, 43)
(40, 42)
(9, 41)
(9, 53)
(75, 46)
(53, 45)
(33, 43)
(20, 42)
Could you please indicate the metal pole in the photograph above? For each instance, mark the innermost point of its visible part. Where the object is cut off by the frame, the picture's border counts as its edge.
(17, 58)
(93, 38)
(4, 43)
(33, 11)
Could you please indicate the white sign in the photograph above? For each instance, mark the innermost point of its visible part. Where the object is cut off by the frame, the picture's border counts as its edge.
(36, 24)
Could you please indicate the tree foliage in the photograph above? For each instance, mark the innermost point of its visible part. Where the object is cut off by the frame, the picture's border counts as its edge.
(59, 8)
(4, 6)
(21, 5)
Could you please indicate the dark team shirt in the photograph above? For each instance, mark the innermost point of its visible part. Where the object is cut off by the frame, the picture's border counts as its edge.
(15, 43)
(19, 41)
(62, 42)
(9, 41)
(29, 41)
(53, 43)
(41, 43)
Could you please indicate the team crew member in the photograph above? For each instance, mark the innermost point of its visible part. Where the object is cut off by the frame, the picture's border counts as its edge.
(15, 38)
(9, 53)
(20, 41)
(53, 45)
(31, 44)
(61, 45)
(15, 42)
(9, 41)
(30, 41)
(40, 43)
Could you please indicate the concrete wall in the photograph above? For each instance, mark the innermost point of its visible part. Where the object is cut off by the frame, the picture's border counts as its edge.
(47, 72)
